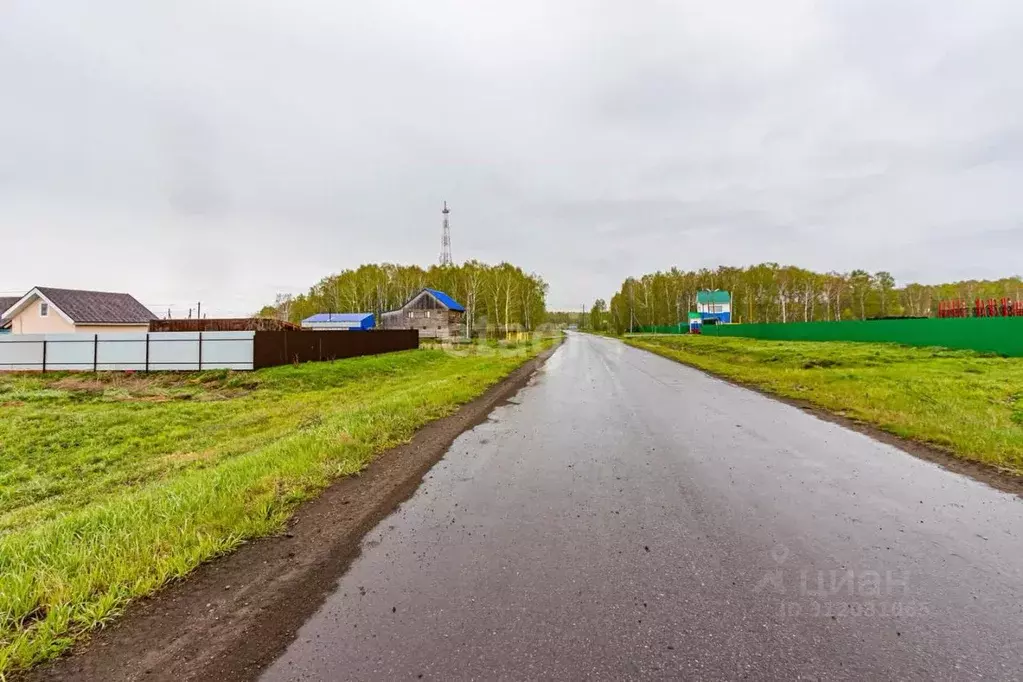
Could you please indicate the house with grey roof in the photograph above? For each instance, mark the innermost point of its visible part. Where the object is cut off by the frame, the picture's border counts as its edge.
(46, 310)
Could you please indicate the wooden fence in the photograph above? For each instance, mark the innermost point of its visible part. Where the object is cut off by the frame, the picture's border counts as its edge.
(223, 324)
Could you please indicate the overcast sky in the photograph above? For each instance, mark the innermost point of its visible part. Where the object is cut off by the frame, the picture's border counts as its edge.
(225, 150)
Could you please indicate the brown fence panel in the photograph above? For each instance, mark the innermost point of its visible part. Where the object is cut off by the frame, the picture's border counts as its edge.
(223, 324)
(283, 348)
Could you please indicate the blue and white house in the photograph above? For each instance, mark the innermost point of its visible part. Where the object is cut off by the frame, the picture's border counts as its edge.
(340, 322)
(715, 305)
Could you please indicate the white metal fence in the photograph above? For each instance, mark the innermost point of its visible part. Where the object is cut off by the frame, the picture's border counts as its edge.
(156, 351)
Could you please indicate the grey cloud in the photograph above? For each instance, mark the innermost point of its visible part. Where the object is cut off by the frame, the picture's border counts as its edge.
(225, 151)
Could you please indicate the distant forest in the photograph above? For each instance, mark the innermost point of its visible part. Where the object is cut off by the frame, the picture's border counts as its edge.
(495, 296)
(775, 293)
(503, 296)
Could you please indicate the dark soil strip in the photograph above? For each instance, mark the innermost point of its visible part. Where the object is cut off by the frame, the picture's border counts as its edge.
(235, 615)
(999, 479)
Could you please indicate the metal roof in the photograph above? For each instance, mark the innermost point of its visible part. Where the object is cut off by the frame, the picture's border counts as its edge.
(338, 317)
(716, 296)
(447, 301)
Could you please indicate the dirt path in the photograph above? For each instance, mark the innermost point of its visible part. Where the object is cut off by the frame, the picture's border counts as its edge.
(234, 615)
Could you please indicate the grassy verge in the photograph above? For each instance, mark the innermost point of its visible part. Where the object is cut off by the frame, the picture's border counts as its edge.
(111, 485)
(965, 403)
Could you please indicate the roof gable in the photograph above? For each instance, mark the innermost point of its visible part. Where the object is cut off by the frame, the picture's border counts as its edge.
(443, 299)
(89, 307)
(446, 301)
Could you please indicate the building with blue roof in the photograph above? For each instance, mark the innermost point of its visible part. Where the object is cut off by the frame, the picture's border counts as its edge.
(432, 312)
(340, 322)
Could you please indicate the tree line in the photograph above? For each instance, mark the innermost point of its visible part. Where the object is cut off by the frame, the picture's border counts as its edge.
(770, 292)
(498, 297)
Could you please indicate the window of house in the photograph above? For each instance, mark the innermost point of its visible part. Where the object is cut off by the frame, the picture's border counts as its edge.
(44, 309)
(427, 313)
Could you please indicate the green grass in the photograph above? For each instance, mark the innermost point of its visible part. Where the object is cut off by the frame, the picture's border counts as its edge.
(966, 403)
(111, 485)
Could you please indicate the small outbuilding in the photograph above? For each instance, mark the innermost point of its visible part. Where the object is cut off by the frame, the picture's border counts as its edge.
(434, 313)
(340, 322)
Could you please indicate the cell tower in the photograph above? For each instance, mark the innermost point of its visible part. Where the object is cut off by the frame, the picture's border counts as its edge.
(445, 239)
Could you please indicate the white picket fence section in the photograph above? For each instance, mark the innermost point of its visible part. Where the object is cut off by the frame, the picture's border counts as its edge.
(153, 352)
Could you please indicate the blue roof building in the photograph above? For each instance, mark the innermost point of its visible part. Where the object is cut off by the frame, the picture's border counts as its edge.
(432, 312)
(340, 321)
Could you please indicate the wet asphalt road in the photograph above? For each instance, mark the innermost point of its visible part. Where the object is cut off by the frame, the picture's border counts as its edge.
(628, 517)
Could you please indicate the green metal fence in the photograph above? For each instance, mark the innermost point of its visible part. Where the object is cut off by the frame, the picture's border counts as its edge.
(1003, 335)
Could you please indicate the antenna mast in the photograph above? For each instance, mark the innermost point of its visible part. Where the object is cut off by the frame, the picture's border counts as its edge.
(445, 239)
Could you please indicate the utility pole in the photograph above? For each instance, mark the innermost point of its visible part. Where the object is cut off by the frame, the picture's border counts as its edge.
(445, 238)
